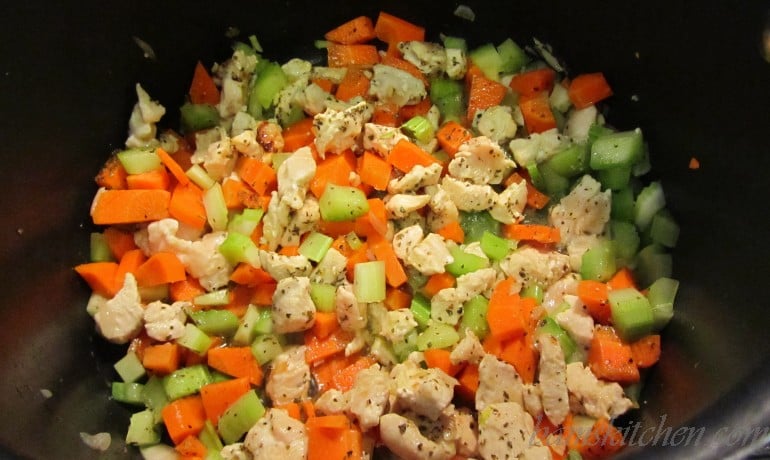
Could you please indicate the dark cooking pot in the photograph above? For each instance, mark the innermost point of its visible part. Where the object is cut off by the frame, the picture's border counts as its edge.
(703, 87)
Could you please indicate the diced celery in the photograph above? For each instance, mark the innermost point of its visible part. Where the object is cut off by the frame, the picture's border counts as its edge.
(277, 159)
(495, 247)
(661, 295)
(324, 296)
(265, 348)
(570, 161)
(623, 205)
(240, 417)
(99, 250)
(614, 178)
(353, 241)
(246, 221)
(195, 117)
(213, 298)
(596, 131)
(321, 44)
(129, 393)
(652, 263)
(631, 313)
(420, 308)
(159, 452)
(186, 381)
(137, 161)
(464, 262)
(194, 339)
(255, 43)
(142, 430)
(475, 316)
(617, 149)
(153, 293)
(437, 335)
(643, 166)
(447, 95)
(369, 281)
(533, 291)
(553, 183)
(574, 455)
(238, 247)
(383, 352)
(649, 201)
(415, 279)
(419, 128)
(130, 368)
(454, 43)
(559, 100)
(217, 376)
(216, 322)
(626, 240)
(154, 396)
(340, 203)
(549, 326)
(216, 208)
(209, 437)
(535, 176)
(474, 224)
(244, 48)
(633, 391)
(598, 262)
(270, 81)
(246, 333)
(200, 177)
(487, 58)
(264, 324)
(315, 245)
(403, 348)
(664, 230)
(512, 57)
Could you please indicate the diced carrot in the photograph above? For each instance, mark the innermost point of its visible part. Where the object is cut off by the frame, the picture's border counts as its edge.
(451, 135)
(325, 84)
(646, 351)
(505, 315)
(217, 397)
(291, 250)
(394, 271)
(468, 382)
(405, 155)
(437, 282)
(340, 244)
(355, 83)
(129, 263)
(593, 294)
(355, 31)
(263, 294)
(588, 89)
(100, 277)
(240, 297)
(292, 409)
(336, 229)
(536, 110)
(118, 241)
(694, 163)
(324, 370)
(112, 175)
(532, 232)
(622, 279)
(535, 198)
(492, 345)
(351, 55)
(603, 440)
(258, 175)
(408, 112)
(298, 135)
(130, 206)
(406, 66)
(397, 299)
(191, 447)
(533, 82)
(186, 289)
(484, 93)
(344, 380)
(334, 169)
(453, 232)
(202, 89)
(184, 417)
(186, 205)
(359, 255)
(233, 190)
(237, 362)
(157, 179)
(174, 168)
(160, 268)
(250, 276)
(439, 358)
(373, 224)
(392, 29)
(333, 437)
(386, 114)
(318, 349)
(521, 354)
(162, 359)
(325, 323)
(610, 359)
(375, 171)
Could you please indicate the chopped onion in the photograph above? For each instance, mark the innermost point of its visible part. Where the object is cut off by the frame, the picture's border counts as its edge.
(149, 53)
(47, 394)
(465, 12)
(545, 50)
(98, 441)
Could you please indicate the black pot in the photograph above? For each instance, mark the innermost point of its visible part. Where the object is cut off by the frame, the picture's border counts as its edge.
(692, 76)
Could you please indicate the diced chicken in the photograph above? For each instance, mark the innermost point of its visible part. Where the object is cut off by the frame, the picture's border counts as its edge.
(270, 136)
(331, 402)
(236, 451)
(277, 435)
(219, 157)
(201, 258)
(359, 342)
(480, 161)
(506, 432)
(497, 123)
(529, 265)
(294, 175)
(578, 246)
(418, 177)
(552, 375)
(430, 255)
(203, 139)
(475, 249)
(293, 309)
(456, 63)
(331, 269)
(297, 68)
(510, 203)
(402, 204)
(554, 295)
(576, 321)
(280, 266)
(234, 75)
(381, 138)
(275, 221)
(446, 305)
(141, 125)
(333, 74)
(338, 130)
(351, 314)
(291, 99)
(498, 383)
(537, 147)
(477, 282)
(95, 302)
(403, 437)
(164, 322)
(468, 350)
(246, 144)
(242, 121)
(593, 397)
(532, 399)
(301, 221)
(467, 196)
(579, 122)
(395, 86)
(463, 428)
(405, 240)
(536, 453)
(430, 58)
(289, 377)
(368, 398)
(442, 210)
(427, 392)
(120, 319)
(585, 211)
(397, 325)
(316, 99)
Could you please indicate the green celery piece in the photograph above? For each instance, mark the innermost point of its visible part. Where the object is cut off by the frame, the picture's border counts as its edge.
(216, 208)
(213, 298)
(152, 293)
(634, 391)
(270, 81)
(631, 313)
(643, 166)
(464, 262)
(570, 161)
(194, 339)
(549, 326)
(474, 224)
(533, 291)
(512, 57)
(265, 348)
(342, 203)
(129, 393)
(664, 230)
(186, 381)
(246, 330)
(598, 262)
(455, 43)
(240, 417)
(142, 430)
(255, 43)
(264, 324)
(496, 247)
(217, 376)
(321, 44)
(475, 316)
(415, 279)
(615, 178)
(130, 368)
(324, 296)
(650, 200)
(623, 205)
(652, 263)
(137, 161)
(437, 335)
(216, 322)
(626, 240)
(403, 348)
(200, 177)
(209, 437)
(195, 117)
(98, 248)
(383, 351)
(617, 149)
(238, 247)
(277, 159)
(554, 184)
(419, 128)
(154, 396)
(595, 132)
(369, 281)
(533, 170)
(315, 245)
(244, 48)
(353, 241)
(661, 295)
(246, 221)
(447, 95)
(420, 308)
(488, 59)
(574, 455)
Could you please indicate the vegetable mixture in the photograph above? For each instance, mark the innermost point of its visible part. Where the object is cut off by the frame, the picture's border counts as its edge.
(419, 250)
